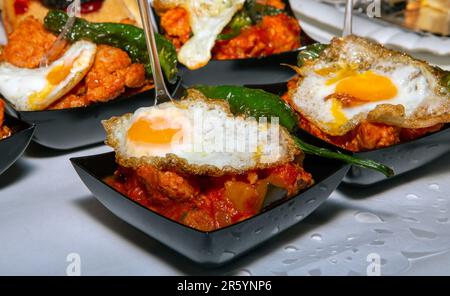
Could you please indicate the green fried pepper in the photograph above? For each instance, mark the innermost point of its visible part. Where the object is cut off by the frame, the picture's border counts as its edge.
(259, 103)
(237, 23)
(311, 52)
(253, 102)
(257, 11)
(446, 80)
(126, 37)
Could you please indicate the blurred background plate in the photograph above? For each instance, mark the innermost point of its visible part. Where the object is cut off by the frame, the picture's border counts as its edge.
(311, 15)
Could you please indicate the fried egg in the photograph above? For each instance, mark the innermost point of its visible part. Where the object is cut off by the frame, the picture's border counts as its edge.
(207, 19)
(36, 89)
(355, 80)
(198, 136)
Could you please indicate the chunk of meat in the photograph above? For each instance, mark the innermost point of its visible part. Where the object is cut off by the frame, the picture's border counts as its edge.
(274, 34)
(108, 78)
(376, 135)
(175, 23)
(28, 44)
(75, 98)
(167, 183)
(69, 101)
(283, 32)
(111, 73)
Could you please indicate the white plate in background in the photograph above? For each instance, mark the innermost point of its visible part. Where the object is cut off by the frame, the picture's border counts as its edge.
(323, 22)
(329, 16)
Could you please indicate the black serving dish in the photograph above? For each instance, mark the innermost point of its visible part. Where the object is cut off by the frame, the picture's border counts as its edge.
(11, 148)
(220, 246)
(402, 158)
(78, 127)
(262, 70)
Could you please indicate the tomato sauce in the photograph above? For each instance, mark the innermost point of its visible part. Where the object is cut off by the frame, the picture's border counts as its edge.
(217, 201)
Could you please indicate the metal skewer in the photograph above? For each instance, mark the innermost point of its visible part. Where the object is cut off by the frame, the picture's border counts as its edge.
(348, 19)
(162, 95)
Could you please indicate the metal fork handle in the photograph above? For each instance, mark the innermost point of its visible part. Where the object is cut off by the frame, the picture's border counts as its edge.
(348, 22)
(162, 95)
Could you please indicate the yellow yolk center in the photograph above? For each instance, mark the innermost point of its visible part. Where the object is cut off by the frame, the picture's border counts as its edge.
(367, 87)
(338, 114)
(152, 131)
(59, 73)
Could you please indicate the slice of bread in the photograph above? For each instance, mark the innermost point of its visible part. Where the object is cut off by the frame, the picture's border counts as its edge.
(111, 11)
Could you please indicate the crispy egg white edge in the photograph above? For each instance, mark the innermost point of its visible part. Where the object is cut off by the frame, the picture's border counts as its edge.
(18, 84)
(202, 163)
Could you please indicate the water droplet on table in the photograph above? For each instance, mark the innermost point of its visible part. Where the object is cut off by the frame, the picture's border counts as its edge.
(289, 261)
(409, 219)
(383, 231)
(291, 248)
(316, 236)
(415, 210)
(243, 272)
(368, 217)
(442, 220)
(412, 196)
(315, 272)
(377, 242)
(421, 233)
(434, 186)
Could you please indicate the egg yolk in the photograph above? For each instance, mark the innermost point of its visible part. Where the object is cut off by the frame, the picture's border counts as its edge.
(59, 73)
(338, 114)
(152, 131)
(367, 87)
